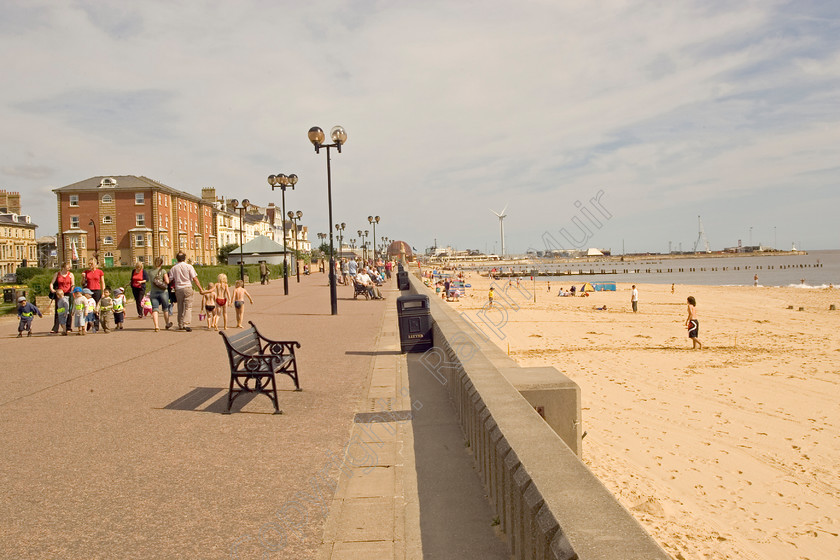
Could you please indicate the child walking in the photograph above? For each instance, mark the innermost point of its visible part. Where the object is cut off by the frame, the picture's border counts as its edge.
(239, 295)
(119, 309)
(208, 300)
(90, 311)
(79, 305)
(26, 312)
(106, 310)
(222, 300)
(62, 307)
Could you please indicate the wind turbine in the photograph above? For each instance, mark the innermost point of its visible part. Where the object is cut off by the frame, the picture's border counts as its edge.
(501, 215)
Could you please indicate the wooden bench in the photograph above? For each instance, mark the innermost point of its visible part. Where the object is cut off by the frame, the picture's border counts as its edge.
(360, 290)
(255, 358)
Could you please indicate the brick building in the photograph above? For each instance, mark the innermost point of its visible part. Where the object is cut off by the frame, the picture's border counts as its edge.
(17, 235)
(132, 218)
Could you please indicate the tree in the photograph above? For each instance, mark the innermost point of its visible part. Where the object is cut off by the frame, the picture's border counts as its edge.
(325, 249)
(225, 251)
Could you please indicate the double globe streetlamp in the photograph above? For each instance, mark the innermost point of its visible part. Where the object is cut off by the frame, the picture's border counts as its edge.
(295, 217)
(241, 208)
(373, 220)
(339, 137)
(283, 182)
(340, 229)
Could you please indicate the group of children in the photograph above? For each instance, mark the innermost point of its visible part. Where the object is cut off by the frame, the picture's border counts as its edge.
(217, 298)
(88, 315)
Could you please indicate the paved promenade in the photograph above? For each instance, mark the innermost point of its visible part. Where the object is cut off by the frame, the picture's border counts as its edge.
(114, 446)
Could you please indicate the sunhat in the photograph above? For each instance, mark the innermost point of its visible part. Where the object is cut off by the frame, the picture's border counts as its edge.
(77, 290)
(87, 291)
(21, 298)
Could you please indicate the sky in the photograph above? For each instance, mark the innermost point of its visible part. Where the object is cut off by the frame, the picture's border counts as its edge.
(610, 124)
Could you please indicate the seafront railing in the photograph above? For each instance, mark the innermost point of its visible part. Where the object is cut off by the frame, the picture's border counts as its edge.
(549, 504)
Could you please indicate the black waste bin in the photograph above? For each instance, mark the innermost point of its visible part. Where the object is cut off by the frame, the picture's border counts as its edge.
(22, 292)
(402, 280)
(8, 295)
(415, 321)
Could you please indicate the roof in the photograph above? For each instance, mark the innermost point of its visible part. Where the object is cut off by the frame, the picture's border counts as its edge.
(125, 183)
(260, 244)
(7, 219)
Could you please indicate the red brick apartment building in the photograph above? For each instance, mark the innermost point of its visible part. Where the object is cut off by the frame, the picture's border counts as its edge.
(129, 219)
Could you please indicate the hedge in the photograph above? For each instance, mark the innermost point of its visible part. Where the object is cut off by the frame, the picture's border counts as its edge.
(121, 276)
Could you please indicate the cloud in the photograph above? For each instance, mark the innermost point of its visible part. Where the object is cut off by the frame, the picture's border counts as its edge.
(36, 172)
(669, 108)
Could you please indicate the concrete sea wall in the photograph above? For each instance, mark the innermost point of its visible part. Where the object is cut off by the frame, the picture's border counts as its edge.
(549, 503)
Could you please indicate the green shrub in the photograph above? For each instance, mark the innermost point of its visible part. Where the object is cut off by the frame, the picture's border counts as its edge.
(25, 273)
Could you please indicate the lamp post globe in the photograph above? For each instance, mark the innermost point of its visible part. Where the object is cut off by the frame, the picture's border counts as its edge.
(282, 181)
(339, 137)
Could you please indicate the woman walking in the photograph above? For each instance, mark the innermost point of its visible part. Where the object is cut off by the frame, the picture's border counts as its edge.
(139, 277)
(65, 281)
(159, 294)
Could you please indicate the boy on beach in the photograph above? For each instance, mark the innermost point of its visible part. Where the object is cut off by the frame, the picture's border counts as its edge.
(634, 299)
(62, 307)
(26, 312)
(239, 295)
(490, 296)
(119, 308)
(693, 324)
(106, 310)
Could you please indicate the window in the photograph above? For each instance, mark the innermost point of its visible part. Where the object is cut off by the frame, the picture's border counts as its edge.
(107, 220)
(139, 198)
(74, 200)
(141, 220)
(139, 240)
(108, 240)
(74, 222)
(107, 199)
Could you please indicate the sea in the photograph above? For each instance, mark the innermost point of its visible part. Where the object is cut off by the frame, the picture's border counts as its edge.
(816, 269)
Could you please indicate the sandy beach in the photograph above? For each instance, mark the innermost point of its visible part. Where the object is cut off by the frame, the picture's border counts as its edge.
(729, 452)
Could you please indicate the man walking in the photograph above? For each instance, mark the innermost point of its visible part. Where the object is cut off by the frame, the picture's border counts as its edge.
(263, 273)
(634, 299)
(183, 276)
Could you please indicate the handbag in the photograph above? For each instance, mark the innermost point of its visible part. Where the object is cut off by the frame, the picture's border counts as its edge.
(158, 280)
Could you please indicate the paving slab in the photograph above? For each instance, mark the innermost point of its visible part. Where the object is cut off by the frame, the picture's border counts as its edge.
(114, 445)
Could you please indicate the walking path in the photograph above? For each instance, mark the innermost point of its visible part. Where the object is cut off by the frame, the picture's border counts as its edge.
(115, 445)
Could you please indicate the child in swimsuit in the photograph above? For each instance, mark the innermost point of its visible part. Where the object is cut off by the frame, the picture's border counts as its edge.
(222, 299)
(208, 300)
(239, 295)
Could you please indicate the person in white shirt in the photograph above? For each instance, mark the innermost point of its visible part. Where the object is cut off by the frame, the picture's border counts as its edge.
(634, 299)
(364, 279)
(183, 276)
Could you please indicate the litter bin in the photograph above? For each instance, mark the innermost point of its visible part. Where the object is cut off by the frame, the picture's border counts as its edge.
(8, 295)
(415, 321)
(402, 280)
(22, 292)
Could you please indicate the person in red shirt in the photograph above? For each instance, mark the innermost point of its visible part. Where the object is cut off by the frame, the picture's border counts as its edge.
(139, 277)
(63, 280)
(94, 280)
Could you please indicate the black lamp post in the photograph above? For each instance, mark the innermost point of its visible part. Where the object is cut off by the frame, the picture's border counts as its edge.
(283, 182)
(373, 220)
(95, 242)
(339, 137)
(340, 229)
(241, 231)
(295, 216)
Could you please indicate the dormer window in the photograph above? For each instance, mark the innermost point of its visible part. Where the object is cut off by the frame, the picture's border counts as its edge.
(108, 182)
